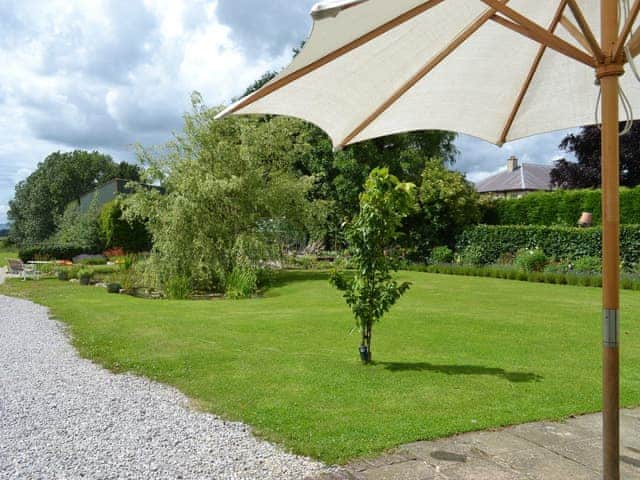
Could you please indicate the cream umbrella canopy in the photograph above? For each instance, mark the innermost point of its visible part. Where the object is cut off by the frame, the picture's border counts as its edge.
(494, 69)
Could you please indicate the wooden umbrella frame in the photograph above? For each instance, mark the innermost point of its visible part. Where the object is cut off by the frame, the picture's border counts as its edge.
(607, 58)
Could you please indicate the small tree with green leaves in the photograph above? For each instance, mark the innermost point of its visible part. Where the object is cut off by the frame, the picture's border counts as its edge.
(371, 290)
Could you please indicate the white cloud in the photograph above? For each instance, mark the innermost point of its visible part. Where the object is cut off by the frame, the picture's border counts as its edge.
(106, 74)
(109, 73)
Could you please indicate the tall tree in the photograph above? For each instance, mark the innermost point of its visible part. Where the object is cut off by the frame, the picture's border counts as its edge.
(448, 204)
(40, 199)
(585, 173)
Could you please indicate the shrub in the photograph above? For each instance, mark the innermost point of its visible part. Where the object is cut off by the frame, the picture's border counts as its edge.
(85, 259)
(105, 269)
(557, 267)
(588, 265)
(441, 255)
(474, 255)
(84, 275)
(531, 260)
(242, 282)
(177, 288)
(113, 288)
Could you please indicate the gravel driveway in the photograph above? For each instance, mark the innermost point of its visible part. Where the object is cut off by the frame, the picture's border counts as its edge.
(62, 417)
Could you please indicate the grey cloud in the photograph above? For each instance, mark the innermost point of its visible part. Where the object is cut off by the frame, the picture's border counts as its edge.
(73, 117)
(266, 27)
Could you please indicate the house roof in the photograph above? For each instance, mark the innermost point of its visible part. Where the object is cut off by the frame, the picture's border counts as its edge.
(527, 176)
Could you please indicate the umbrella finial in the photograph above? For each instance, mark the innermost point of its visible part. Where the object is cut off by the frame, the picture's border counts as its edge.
(324, 10)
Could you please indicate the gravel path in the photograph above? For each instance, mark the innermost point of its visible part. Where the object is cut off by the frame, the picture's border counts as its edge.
(62, 417)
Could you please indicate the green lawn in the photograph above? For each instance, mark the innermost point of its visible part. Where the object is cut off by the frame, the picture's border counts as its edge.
(455, 354)
(6, 253)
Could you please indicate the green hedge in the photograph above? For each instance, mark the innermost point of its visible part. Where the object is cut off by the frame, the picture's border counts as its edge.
(51, 252)
(491, 241)
(562, 207)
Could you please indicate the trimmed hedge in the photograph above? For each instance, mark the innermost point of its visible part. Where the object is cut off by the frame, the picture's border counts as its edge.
(561, 207)
(52, 252)
(490, 242)
(627, 282)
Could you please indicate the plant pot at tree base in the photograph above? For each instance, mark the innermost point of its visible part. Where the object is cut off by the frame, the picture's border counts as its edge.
(113, 288)
(365, 354)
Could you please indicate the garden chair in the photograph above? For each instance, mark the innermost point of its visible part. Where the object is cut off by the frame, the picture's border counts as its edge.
(14, 267)
(17, 267)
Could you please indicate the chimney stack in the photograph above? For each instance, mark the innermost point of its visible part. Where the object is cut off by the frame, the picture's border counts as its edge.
(512, 164)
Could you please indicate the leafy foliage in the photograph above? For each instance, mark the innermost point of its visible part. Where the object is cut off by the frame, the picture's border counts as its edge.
(586, 147)
(371, 291)
(41, 199)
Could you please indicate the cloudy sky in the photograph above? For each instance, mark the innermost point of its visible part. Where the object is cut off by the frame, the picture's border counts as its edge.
(105, 74)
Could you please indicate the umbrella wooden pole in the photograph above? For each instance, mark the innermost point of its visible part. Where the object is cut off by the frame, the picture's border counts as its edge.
(609, 82)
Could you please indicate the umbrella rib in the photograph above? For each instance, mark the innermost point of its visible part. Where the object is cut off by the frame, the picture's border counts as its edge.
(576, 33)
(330, 57)
(617, 49)
(563, 47)
(634, 43)
(424, 71)
(532, 30)
(531, 75)
(594, 46)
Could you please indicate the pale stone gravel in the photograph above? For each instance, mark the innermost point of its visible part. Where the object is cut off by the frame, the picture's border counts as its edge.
(63, 417)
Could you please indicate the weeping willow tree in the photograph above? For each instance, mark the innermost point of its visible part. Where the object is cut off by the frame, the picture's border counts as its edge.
(223, 181)
(371, 290)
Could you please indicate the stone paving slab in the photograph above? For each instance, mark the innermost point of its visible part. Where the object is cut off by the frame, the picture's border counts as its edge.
(533, 451)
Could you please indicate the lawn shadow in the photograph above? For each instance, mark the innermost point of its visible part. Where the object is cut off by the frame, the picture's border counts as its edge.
(515, 377)
(285, 277)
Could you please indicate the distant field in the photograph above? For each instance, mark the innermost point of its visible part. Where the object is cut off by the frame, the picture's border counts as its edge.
(456, 354)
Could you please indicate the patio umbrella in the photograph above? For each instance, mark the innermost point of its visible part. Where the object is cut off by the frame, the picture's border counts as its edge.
(494, 69)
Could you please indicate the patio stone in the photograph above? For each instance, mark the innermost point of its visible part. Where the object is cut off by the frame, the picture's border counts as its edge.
(534, 451)
(481, 470)
(540, 463)
(411, 470)
(551, 434)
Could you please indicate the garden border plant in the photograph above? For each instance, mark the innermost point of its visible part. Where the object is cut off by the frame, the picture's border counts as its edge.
(627, 282)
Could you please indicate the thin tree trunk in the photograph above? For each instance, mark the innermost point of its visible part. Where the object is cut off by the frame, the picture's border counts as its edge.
(370, 332)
